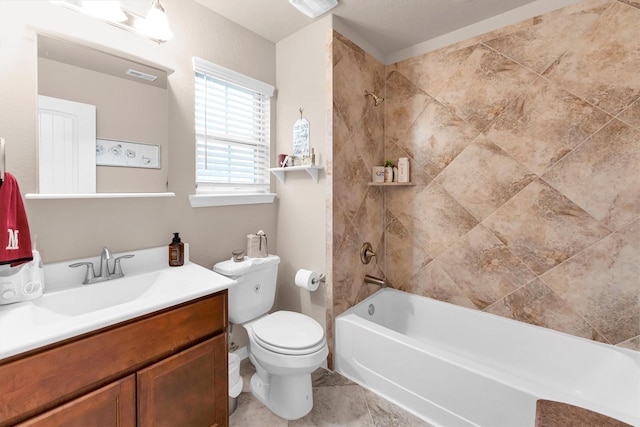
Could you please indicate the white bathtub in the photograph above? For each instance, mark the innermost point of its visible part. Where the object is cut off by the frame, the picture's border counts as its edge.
(454, 366)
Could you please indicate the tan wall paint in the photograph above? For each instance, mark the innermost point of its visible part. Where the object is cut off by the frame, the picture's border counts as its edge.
(70, 229)
(301, 60)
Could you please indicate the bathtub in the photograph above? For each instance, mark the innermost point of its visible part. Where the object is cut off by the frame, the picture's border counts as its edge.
(453, 366)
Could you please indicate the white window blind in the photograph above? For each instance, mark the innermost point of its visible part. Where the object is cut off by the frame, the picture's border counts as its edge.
(232, 120)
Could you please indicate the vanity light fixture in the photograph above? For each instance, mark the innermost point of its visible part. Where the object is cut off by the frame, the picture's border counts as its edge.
(154, 25)
(314, 8)
(107, 10)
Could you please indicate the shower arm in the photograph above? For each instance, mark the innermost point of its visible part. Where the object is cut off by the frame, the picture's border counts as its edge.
(376, 99)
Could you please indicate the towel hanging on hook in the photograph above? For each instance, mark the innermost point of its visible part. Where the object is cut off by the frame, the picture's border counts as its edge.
(15, 238)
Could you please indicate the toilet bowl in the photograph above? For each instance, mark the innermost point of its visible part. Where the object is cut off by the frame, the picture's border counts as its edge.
(285, 347)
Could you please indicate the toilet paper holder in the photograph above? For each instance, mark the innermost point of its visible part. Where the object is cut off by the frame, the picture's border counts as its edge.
(309, 279)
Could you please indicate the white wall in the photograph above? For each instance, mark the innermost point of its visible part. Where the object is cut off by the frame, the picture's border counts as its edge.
(71, 229)
(302, 64)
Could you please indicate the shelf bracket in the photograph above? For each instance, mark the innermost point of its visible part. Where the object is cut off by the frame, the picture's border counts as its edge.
(314, 174)
(311, 170)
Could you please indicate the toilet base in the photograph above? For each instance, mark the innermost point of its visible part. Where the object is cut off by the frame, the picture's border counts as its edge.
(282, 382)
(288, 396)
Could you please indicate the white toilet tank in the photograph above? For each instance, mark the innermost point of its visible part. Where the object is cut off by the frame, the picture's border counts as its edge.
(255, 291)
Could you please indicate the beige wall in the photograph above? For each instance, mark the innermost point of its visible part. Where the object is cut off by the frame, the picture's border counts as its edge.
(302, 61)
(525, 149)
(69, 229)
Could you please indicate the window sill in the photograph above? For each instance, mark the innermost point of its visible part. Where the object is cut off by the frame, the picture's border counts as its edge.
(207, 200)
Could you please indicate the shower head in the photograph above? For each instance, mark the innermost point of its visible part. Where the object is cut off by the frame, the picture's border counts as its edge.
(376, 99)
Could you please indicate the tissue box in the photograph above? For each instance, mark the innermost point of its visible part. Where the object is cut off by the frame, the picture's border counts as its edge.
(257, 245)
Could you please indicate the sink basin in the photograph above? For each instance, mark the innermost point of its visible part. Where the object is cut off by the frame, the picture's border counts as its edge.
(91, 298)
(78, 309)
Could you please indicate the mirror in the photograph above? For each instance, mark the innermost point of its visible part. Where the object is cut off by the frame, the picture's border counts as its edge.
(131, 105)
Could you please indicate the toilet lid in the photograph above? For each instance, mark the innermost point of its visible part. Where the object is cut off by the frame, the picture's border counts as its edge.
(289, 333)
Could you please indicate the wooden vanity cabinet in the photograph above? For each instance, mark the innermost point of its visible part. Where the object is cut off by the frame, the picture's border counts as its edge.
(168, 368)
(181, 390)
(112, 405)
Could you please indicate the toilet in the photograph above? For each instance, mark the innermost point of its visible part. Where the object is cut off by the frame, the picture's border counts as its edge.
(285, 347)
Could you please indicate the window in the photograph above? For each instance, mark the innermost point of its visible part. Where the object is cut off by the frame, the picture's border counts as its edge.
(232, 128)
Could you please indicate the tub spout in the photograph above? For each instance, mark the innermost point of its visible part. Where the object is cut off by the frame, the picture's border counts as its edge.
(375, 281)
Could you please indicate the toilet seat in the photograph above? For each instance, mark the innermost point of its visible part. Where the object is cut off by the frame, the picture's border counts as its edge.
(287, 332)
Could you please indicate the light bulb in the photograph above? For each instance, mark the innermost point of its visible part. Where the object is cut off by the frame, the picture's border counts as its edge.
(156, 24)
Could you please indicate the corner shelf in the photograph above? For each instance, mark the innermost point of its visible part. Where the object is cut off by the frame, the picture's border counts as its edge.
(311, 170)
(392, 184)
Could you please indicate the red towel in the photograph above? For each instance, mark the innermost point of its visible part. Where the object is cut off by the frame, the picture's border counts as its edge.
(15, 239)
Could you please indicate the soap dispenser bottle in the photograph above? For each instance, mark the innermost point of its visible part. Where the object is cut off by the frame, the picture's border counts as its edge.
(176, 251)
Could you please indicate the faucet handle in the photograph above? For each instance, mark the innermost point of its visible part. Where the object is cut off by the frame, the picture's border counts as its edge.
(117, 268)
(366, 253)
(89, 274)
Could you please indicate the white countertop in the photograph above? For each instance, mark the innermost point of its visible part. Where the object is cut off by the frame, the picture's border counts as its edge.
(68, 308)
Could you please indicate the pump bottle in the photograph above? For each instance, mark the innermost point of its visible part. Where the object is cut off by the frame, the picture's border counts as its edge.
(176, 251)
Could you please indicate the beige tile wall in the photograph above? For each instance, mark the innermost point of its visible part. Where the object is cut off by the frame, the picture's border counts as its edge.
(355, 210)
(525, 147)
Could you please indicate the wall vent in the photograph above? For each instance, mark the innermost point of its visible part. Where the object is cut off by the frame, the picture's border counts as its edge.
(141, 75)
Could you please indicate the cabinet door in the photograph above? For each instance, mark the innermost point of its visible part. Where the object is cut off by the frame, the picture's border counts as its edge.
(112, 405)
(40, 380)
(187, 389)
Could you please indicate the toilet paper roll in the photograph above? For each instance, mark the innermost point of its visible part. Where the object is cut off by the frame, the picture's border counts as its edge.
(307, 279)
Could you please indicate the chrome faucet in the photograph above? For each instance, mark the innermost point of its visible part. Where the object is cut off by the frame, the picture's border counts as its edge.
(105, 256)
(104, 273)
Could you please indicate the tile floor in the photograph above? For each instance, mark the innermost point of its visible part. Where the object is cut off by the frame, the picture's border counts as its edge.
(337, 402)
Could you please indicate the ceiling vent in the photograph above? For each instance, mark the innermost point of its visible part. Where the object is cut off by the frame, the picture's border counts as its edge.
(314, 8)
(141, 75)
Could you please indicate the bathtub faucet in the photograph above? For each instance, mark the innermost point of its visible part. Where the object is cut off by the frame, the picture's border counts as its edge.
(375, 281)
(366, 253)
